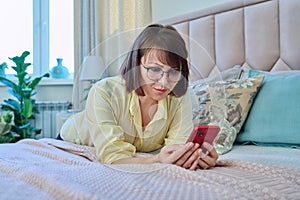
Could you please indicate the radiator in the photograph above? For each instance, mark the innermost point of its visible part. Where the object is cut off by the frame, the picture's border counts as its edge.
(46, 119)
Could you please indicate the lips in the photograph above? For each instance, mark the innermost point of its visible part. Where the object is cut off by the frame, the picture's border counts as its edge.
(160, 91)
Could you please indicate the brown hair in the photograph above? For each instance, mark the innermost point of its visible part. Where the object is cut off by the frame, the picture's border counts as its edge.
(171, 50)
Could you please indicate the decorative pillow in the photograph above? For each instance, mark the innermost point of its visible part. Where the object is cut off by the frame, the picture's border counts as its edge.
(228, 74)
(248, 72)
(226, 104)
(274, 118)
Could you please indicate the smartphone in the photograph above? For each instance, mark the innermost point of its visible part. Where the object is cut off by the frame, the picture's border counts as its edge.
(204, 133)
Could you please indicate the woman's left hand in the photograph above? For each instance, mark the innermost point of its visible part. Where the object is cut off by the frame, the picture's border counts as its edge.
(209, 158)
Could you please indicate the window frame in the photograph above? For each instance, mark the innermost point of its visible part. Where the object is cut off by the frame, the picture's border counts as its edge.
(41, 37)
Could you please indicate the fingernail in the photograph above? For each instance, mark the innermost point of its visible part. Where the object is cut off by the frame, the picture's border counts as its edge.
(189, 144)
(202, 155)
(208, 146)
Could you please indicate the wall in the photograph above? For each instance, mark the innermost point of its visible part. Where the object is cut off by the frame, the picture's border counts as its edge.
(162, 9)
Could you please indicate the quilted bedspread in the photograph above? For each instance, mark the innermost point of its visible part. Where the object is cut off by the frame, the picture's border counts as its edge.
(52, 169)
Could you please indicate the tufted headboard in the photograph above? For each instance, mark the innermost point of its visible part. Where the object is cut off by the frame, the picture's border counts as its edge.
(258, 34)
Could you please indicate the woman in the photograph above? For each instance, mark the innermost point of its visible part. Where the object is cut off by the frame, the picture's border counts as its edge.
(144, 109)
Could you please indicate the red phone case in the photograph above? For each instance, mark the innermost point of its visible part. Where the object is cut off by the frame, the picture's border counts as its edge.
(204, 133)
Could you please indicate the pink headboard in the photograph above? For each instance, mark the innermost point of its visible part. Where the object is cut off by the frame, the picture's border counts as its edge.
(258, 34)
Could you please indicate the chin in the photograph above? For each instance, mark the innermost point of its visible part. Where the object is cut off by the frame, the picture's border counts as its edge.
(160, 97)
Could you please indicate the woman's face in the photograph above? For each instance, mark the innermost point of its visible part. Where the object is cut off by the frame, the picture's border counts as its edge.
(160, 88)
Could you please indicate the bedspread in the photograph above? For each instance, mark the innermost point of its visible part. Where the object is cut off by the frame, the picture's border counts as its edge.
(53, 169)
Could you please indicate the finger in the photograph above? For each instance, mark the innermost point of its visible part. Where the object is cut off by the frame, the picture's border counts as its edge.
(195, 164)
(193, 155)
(206, 148)
(177, 153)
(203, 153)
(210, 161)
(202, 164)
(209, 149)
(188, 158)
(213, 153)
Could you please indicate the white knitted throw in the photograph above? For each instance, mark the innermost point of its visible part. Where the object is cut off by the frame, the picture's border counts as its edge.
(53, 169)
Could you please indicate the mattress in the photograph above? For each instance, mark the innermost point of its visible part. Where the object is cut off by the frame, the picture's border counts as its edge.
(289, 157)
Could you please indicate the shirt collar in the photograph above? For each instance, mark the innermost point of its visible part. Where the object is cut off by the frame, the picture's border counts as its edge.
(134, 108)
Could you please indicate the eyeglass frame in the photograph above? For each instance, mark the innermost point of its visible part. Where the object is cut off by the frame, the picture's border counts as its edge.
(162, 73)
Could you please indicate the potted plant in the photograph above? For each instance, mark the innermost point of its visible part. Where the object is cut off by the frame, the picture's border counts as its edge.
(23, 105)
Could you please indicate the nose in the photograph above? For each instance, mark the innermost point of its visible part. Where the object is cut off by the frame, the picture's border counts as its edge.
(164, 79)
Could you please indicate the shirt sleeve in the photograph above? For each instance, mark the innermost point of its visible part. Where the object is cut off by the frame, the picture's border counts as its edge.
(101, 117)
(182, 124)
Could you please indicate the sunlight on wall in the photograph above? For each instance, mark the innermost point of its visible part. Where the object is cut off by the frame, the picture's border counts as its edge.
(162, 9)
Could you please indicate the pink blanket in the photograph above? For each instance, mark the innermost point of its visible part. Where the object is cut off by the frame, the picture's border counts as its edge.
(52, 169)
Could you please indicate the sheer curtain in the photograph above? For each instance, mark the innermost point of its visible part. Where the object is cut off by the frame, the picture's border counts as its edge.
(105, 28)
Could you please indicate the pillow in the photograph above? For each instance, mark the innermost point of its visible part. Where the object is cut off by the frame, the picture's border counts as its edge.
(247, 71)
(274, 118)
(226, 104)
(228, 74)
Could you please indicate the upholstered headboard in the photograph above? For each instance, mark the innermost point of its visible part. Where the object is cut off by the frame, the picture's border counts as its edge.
(259, 34)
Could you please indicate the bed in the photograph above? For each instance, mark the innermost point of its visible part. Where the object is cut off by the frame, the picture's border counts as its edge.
(248, 50)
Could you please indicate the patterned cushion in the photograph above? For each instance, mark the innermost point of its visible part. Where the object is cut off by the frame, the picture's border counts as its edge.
(226, 104)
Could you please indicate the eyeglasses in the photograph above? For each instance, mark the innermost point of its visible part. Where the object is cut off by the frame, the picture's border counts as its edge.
(156, 73)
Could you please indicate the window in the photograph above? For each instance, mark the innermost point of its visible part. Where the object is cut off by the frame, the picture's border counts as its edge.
(44, 28)
(17, 31)
(61, 33)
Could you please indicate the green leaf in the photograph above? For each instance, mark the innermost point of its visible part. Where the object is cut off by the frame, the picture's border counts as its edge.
(27, 109)
(37, 80)
(19, 61)
(26, 92)
(12, 104)
(8, 117)
(3, 65)
(25, 54)
(8, 82)
(25, 126)
(15, 94)
(21, 78)
(4, 128)
(36, 131)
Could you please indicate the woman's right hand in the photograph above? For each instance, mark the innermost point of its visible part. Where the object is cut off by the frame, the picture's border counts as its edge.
(184, 155)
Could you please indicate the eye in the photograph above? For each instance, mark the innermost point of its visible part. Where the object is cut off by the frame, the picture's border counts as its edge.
(155, 69)
(173, 71)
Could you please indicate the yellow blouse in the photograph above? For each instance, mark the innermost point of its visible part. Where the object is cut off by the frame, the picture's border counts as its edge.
(111, 122)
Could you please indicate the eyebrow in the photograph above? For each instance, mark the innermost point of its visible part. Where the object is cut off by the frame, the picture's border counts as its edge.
(160, 65)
